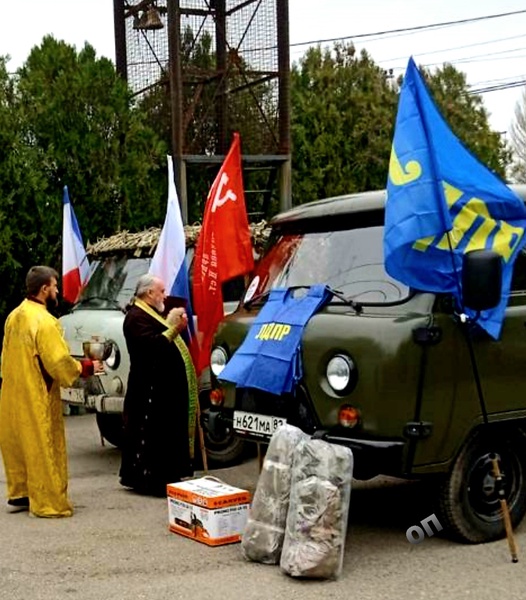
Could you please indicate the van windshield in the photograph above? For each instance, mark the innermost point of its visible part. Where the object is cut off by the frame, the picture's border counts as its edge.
(350, 261)
(112, 283)
(114, 279)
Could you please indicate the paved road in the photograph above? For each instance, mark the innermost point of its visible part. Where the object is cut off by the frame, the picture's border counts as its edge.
(117, 546)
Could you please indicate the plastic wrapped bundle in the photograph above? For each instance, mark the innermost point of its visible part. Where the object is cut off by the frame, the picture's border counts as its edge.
(263, 534)
(262, 542)
(320, 495)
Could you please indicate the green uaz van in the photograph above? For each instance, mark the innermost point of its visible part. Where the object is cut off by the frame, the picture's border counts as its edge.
(387, 369)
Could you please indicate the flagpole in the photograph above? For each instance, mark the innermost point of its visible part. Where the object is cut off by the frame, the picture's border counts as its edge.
(499, 483)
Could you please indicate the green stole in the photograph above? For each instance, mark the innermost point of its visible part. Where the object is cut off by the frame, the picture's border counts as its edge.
(189, 368)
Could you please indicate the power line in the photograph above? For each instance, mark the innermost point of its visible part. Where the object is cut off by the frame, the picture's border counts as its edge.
(487, 82)
(496, 41)
(487, 57)
(499, 87)
(462, 61)
(390, 32)
(385, 33)
(482, 57)
(407, 29)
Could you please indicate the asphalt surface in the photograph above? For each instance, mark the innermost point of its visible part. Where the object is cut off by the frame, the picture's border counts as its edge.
(117, 546)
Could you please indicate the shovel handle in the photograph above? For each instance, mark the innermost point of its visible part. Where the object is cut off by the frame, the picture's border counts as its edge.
(201, 435)
(512, 544)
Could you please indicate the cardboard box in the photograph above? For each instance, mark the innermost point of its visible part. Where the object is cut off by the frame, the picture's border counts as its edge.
(208, 510)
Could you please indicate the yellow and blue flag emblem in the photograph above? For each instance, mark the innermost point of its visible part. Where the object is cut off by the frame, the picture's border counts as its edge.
(443, 202)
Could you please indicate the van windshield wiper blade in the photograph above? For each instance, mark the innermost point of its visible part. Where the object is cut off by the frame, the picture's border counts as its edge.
(267, 293)
(255, 298)
(348, 301)
(336, 293)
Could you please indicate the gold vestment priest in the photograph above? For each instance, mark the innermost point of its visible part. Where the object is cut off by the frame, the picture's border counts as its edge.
(35, 363)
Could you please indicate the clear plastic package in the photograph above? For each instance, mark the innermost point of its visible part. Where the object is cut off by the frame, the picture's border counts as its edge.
(314, 540)
(262, 539)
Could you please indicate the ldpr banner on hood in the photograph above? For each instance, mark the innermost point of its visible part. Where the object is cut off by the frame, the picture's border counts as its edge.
(269, 358)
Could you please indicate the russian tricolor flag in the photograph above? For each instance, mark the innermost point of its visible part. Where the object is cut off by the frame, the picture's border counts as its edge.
(75, 265)
(169, 261)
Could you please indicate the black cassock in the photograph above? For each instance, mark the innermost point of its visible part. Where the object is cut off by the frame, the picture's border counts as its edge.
(155, 449)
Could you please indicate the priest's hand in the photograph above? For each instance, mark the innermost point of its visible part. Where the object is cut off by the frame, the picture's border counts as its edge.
(90, 367)
(178, 319)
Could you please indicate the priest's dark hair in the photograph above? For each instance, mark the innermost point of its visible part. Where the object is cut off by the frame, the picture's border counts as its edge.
(37, 277)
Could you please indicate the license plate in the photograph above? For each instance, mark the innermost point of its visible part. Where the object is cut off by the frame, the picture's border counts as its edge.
(72, 395)
(256, 424)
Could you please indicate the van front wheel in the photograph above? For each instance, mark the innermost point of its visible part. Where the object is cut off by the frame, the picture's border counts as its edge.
(469, 506)
(223, 448)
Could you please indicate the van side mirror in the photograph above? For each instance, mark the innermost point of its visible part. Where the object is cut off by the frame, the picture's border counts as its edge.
(481, 279)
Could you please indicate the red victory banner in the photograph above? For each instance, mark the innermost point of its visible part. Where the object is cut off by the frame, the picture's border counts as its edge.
(224, 248)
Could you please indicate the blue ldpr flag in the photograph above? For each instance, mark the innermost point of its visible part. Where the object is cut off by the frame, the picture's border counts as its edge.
(269, 358)
(442, 202)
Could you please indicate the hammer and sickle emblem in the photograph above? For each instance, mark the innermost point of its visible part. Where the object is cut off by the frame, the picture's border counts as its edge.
(229, 194)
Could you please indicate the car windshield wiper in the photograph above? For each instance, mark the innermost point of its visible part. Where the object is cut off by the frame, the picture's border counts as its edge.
(255, 298)
(348, 301)
(336, 293)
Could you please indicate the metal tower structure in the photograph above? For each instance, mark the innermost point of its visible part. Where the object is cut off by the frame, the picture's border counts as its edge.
(220, 60)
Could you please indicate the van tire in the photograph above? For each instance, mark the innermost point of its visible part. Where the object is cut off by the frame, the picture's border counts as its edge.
(111, 427)
(469, 508)
(226, 451)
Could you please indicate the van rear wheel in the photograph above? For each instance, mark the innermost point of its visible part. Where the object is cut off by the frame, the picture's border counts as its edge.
(469, 505)
(223, 449)
(111, 427)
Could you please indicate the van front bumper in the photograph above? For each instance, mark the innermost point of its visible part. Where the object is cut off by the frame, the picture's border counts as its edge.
(90, 394)
(101, 403)
(371, 457)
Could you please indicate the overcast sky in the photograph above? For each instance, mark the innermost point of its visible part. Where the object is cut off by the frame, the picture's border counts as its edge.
(491, 51)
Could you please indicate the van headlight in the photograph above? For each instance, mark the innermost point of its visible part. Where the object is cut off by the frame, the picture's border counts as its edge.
(341, 373)
(218, 360)
(114, 358)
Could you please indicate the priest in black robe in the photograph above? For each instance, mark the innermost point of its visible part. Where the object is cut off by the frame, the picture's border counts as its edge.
(160, 402)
